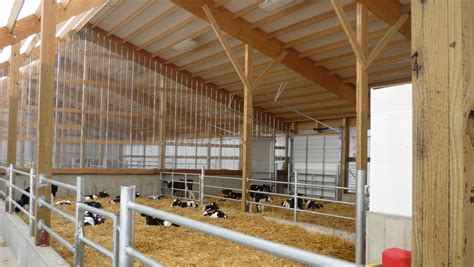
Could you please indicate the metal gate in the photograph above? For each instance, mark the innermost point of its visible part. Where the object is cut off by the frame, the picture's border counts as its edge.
(317, 159)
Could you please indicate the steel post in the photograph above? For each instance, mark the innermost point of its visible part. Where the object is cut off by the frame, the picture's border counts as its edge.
(78, 244)
(295, 196)
(127, 194)
(360, 217)
(201, 187)
(10, 188)
(31, 206)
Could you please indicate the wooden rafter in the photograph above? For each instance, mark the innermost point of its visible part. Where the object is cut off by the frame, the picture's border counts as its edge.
(31, 25)
(132, 16)
(310, 21)
(168, 32)
(282, 13)
(386, 38)
(150, 23)
(390, 11)
(107, 13)
(192, 36)
(346, 25)
(247, 9)
(240, 29)
(15, 11)
(268, 69)
(227, 48)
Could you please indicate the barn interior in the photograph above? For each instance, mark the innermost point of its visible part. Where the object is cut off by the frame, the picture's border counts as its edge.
(340, 129)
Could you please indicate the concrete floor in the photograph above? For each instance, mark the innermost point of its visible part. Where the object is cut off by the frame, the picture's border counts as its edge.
(7, 258)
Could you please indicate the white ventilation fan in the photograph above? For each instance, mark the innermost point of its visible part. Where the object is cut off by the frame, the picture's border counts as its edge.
(272, 5)
(184, 45)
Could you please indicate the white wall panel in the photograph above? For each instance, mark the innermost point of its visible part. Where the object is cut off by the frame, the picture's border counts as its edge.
(391, 151)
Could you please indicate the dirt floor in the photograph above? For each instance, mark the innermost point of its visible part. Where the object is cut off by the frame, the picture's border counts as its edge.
(179, 246)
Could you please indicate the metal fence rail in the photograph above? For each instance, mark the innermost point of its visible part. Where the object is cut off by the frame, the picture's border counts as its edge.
(208, 184)
(123, 252)
(127, 253)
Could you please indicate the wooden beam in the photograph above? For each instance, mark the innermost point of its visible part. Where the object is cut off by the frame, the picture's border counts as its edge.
(150, 23)
(390, 11)
(346, 25)
(386, 38)
(45, 128)
(13, 92)
(362, 119)
(168, 32)
(227, 47)
(114, 7)
(247, 9)
(248, 125)
(31, 24)
(240, 29)
(15, 11)
(310, 21)
(268, 69)
(282, 13)
(443, 152)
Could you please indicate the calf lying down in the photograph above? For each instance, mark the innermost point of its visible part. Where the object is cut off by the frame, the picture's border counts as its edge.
(183, 204)
(92, 219)
(212, 210)
(150, 220)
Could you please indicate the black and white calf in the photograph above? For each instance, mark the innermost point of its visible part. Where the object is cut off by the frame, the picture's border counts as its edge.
(150, 220)
(103, 194)
(92, 219)
(183, 204)
(90, 197)
(25, 200)
(115, 200)
(311, 204)
(290, 203)
(63, 203)
(155, 197)
(260, 196)
(93, 204)
(212, 210)
(178, 187)
(227, 193)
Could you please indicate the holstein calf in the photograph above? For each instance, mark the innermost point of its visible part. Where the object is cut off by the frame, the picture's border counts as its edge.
(212, 210)
(63, 202)
(260, 197)
(25, 200)
(290, 203)
(92, 219)
(103, 194)
(150, 220)
(94, 204)
(231, 194)
(179, 185)
(311, 204)
(155, 197)
(183, 204)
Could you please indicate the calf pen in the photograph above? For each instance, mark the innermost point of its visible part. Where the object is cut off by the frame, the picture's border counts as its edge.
(123, 251)
(336, 214)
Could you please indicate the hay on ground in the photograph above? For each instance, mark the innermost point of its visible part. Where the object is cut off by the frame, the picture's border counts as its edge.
(177, 246)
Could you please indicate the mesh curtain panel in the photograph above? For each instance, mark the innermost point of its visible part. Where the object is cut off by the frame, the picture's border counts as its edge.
(118, 108)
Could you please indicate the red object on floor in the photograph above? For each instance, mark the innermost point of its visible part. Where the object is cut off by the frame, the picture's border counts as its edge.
(395, 257)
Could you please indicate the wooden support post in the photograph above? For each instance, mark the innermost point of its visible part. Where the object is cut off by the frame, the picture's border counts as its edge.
(443, 151)
(247, 134)
(362, 110)
(344, 151)
(13, 92)
(13, 103)
(45, 123)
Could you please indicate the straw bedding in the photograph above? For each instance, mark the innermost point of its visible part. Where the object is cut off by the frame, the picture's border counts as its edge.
(178, 246)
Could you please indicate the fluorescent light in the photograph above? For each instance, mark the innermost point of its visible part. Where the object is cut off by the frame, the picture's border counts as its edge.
(184, 45)
(272, 5)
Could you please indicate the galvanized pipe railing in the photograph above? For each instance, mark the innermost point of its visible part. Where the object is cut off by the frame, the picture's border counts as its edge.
(127, 253)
